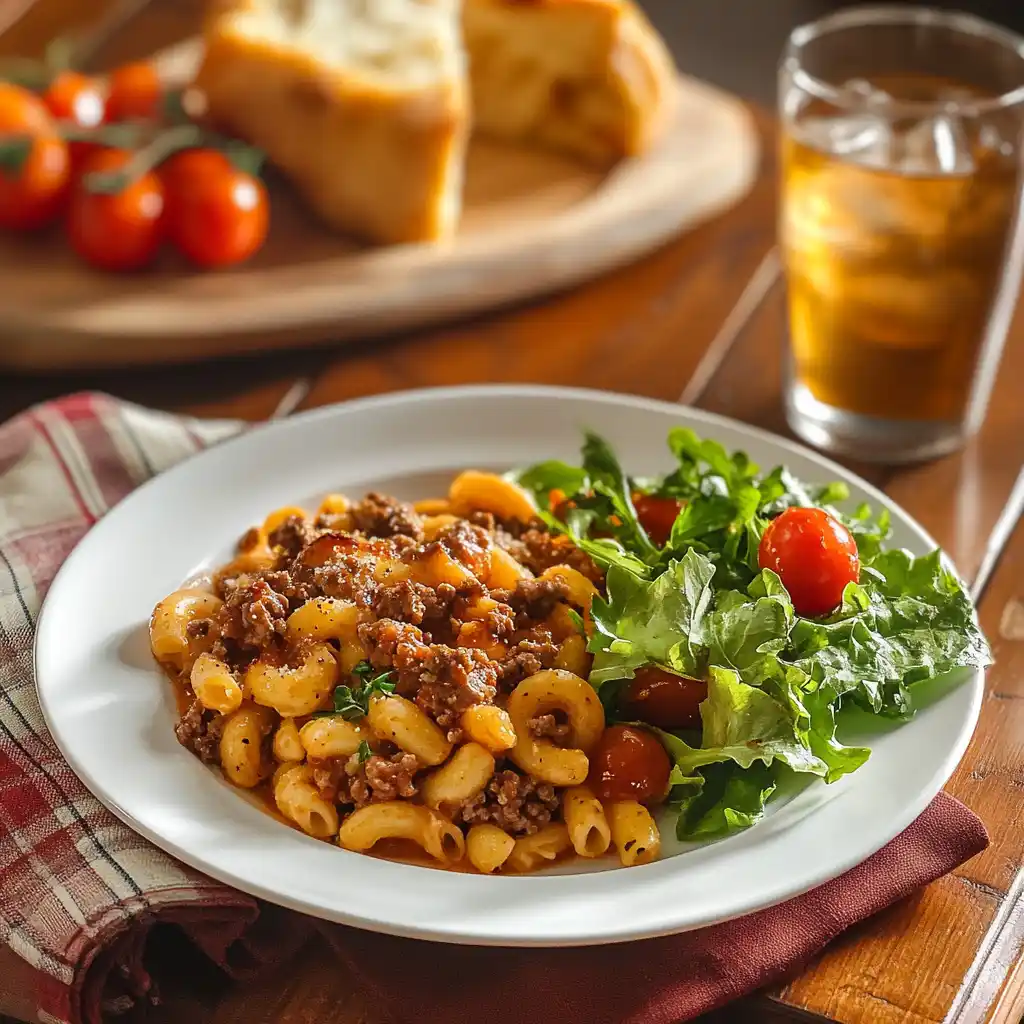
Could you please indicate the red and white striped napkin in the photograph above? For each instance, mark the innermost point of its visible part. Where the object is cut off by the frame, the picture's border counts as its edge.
(80, 893)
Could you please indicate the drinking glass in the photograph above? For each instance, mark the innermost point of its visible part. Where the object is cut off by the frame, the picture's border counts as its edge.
(900, 225)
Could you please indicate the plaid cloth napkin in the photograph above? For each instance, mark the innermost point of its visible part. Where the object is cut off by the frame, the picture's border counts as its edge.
(80, 893)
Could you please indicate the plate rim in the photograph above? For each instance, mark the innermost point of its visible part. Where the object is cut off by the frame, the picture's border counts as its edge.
(437, 931)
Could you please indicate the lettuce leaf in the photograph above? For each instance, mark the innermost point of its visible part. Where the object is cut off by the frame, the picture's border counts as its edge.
(658, 622)
(909, 620)
(701, 606)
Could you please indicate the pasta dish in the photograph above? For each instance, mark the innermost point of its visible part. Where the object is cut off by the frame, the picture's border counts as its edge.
(532, 666)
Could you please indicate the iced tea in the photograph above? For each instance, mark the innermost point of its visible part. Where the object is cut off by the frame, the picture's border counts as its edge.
(894, 242)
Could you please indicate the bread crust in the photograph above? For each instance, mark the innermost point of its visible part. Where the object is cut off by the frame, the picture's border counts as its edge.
(384, 165)
(588, 77)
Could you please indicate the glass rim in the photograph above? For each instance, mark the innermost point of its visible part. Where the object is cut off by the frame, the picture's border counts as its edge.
(881, 15)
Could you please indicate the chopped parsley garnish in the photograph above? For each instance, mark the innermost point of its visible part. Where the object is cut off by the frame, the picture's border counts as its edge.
(364, 751)
(353, 702)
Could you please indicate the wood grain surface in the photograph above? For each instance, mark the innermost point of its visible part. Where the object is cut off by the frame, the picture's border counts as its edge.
(952, 953)
(533, 223)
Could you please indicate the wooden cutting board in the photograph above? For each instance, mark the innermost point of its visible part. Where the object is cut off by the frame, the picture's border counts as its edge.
(534, 223)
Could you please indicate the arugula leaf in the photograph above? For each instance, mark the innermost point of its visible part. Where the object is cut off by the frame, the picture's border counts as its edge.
(553, 475)
(612, 497)
(353, 703)
(642, 622)
(364, 753)
(605, 551)
(701, 459)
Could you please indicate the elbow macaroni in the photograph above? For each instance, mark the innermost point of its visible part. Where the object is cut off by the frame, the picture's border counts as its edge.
(300, 802)
(491, 493)
(242, 757)
(214, 685)
(488, 847)
(489, 726)
(257, 685)
(399, 721)
(544, 846)
(586, 822)
(461, 778)
(327, 619)
(634, 832)
(168, 628)
(287, 744)
(395, 819)
(294, 690)
(332, 737)
(545, 691)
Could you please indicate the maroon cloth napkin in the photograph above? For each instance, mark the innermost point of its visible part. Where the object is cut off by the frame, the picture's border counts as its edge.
(80, 893)
(658, 981)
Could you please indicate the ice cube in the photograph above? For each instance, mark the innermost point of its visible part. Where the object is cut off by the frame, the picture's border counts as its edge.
(939, 145)
(861, 137)
(860, 90)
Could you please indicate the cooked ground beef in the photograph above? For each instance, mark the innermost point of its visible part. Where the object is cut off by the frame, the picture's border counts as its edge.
(330, 776)
(527, 657)
(199, 731)
(548, 727)
(519, 804)
(291, 536)
(199, 628)
(538, 550)
(413, 602)
(467, 544)
(534, 599)
(485, 520)
(396, 645)
(443, 680)
(378, 778)
(380, 516)
(453, 679)
(500, 621)
(254, 614)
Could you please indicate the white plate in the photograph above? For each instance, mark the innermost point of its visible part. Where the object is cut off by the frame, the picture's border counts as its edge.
(112, 712)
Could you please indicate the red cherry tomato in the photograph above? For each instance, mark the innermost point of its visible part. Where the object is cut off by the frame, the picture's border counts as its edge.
(217, 215)
(78, 99)
(814, 555)
(122, 231)
(664, 699)
(656, 515)
(629, 764)
(136, 93)
(33, 189)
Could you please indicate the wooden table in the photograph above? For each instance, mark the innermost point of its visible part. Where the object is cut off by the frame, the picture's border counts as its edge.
(683, 322)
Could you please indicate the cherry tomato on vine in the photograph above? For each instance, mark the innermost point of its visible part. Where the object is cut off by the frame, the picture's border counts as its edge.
(665, 699)
(814, 555)
(73, 97)
(629, 764)
(78, 99)
(135, 93)
(217, 215)
(120, 231)
(656, 515)
(33, 182)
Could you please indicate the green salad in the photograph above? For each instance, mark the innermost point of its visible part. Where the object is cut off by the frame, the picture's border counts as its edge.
(742, 612)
